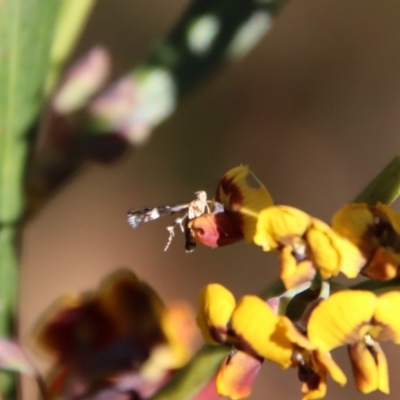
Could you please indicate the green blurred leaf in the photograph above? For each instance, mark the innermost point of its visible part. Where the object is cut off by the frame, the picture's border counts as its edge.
(26, 34)
(189, 381)
(378, 287)
(385, 187)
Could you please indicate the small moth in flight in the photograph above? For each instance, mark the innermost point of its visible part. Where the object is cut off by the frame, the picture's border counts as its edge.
(229, 217)
(191, 210)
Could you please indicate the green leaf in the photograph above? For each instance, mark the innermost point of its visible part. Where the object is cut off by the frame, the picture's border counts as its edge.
(190, 380)
(385, 187)
(26, 34)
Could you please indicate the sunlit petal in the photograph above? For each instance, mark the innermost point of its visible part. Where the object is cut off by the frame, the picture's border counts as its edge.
(386, 316)
(293, 334)
(216, 304)
(352, 221)
(257, 329)
(278, 223)
(316, 392)
(331, 252)
(370, 368)
(331, 367)
(338, 320)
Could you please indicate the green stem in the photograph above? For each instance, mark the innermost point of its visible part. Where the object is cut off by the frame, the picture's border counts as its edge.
(385, 187)
(8, 279)
(189, 381)
(26, 29)
(8, 295)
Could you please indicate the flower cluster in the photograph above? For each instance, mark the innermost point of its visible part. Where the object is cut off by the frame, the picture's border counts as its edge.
(117, 340)
(361, 240)
(122, 341)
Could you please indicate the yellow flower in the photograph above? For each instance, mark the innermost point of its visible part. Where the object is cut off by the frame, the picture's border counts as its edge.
(358, 319)
(306, 244)
(376, 231)
(256, 334)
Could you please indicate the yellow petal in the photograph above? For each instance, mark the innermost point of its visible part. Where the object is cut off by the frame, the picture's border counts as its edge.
(316, 393)
(257, 329)
(338, 320)
(386, 316)
(322, 242)
(277, 224)
(236, 375)
(370, 368)
(313, 373)
(216, 304)
(352, 221)
(239, 191)
(293, 334)
(180, 332)
(331, 367)
(331, 253)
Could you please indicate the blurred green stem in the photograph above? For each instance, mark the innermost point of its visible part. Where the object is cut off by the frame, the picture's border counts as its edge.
(8, 296)
(385, 187)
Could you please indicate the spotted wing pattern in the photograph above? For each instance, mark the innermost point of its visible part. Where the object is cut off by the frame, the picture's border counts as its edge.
(139, 216)
(194, 209)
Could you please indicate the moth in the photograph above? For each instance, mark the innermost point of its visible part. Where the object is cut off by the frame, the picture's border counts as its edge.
(228, 218)
(200, 205)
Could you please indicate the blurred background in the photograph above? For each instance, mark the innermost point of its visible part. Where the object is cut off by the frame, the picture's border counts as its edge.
(314, 110)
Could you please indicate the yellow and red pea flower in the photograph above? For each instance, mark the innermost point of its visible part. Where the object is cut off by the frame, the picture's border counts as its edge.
(306, 245)
(256, 333)
(123, 327)
(375, 230)
(238, 200)
(358, 319)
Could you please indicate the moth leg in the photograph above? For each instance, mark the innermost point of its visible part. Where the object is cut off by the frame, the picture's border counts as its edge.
(171, 231)
(179, 221)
